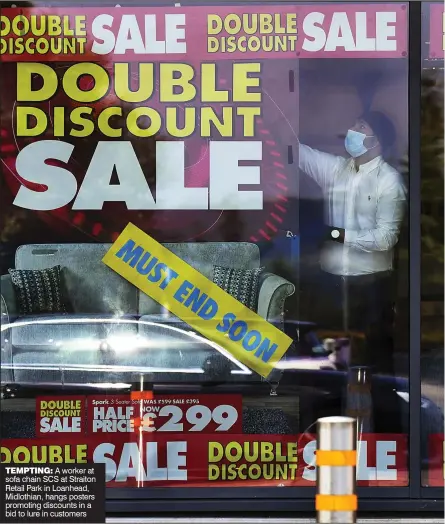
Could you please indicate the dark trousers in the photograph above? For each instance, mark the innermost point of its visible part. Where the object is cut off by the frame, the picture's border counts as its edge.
(363, 304)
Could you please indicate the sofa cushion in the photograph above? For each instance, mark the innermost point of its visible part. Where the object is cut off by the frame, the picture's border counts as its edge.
(242, 284)
(176, 345)
(153, 348)
(40, 290)
(74, 332)
(58, 350)
(91, 285)
(172, 342)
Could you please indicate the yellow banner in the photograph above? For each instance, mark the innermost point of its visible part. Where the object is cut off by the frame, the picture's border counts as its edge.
(196, 300)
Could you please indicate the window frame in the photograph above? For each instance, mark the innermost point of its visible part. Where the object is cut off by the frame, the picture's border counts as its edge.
(414, 497)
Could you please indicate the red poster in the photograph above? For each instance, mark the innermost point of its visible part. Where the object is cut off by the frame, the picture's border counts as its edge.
(60, 415)
(177, 33)
(165, 414)
(185, 460)
(437, 30)
(125, 414)
(436, 462)
(190, 118)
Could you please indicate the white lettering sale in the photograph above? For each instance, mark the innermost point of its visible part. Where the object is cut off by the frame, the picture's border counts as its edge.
(143, 464)
(383, 470)
(60, 425)
(226, 175)
(340, 34)
(129, 36)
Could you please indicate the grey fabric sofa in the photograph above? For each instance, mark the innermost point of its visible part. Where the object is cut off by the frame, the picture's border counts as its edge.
(70, 348)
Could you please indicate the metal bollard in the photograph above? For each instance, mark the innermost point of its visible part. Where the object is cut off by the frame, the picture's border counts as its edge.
(336, 459)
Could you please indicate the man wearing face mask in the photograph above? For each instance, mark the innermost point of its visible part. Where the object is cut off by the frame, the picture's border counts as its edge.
(364, 205)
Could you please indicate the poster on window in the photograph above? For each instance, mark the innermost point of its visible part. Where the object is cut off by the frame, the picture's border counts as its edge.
(186, 441)
(148, 116)
(165, 116)
(182, 122)
(139, 411)
(185, 460)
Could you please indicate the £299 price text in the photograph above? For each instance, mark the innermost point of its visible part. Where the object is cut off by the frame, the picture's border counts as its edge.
(170, 418)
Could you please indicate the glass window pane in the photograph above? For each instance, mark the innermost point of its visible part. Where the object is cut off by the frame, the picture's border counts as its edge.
(432, 284)
(204, 237)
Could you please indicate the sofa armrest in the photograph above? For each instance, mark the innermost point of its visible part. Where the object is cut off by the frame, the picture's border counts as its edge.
(8, 313)
(273, 293)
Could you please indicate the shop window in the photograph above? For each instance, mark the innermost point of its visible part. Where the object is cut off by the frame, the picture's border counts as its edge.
(163, 253)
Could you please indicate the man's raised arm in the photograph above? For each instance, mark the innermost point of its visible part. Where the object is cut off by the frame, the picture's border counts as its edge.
(321, 167)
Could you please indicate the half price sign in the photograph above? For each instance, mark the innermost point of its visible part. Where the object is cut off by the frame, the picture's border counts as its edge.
(139, 412)
(171, 413)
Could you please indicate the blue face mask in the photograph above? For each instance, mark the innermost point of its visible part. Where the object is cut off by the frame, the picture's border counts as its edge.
(354, 143)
